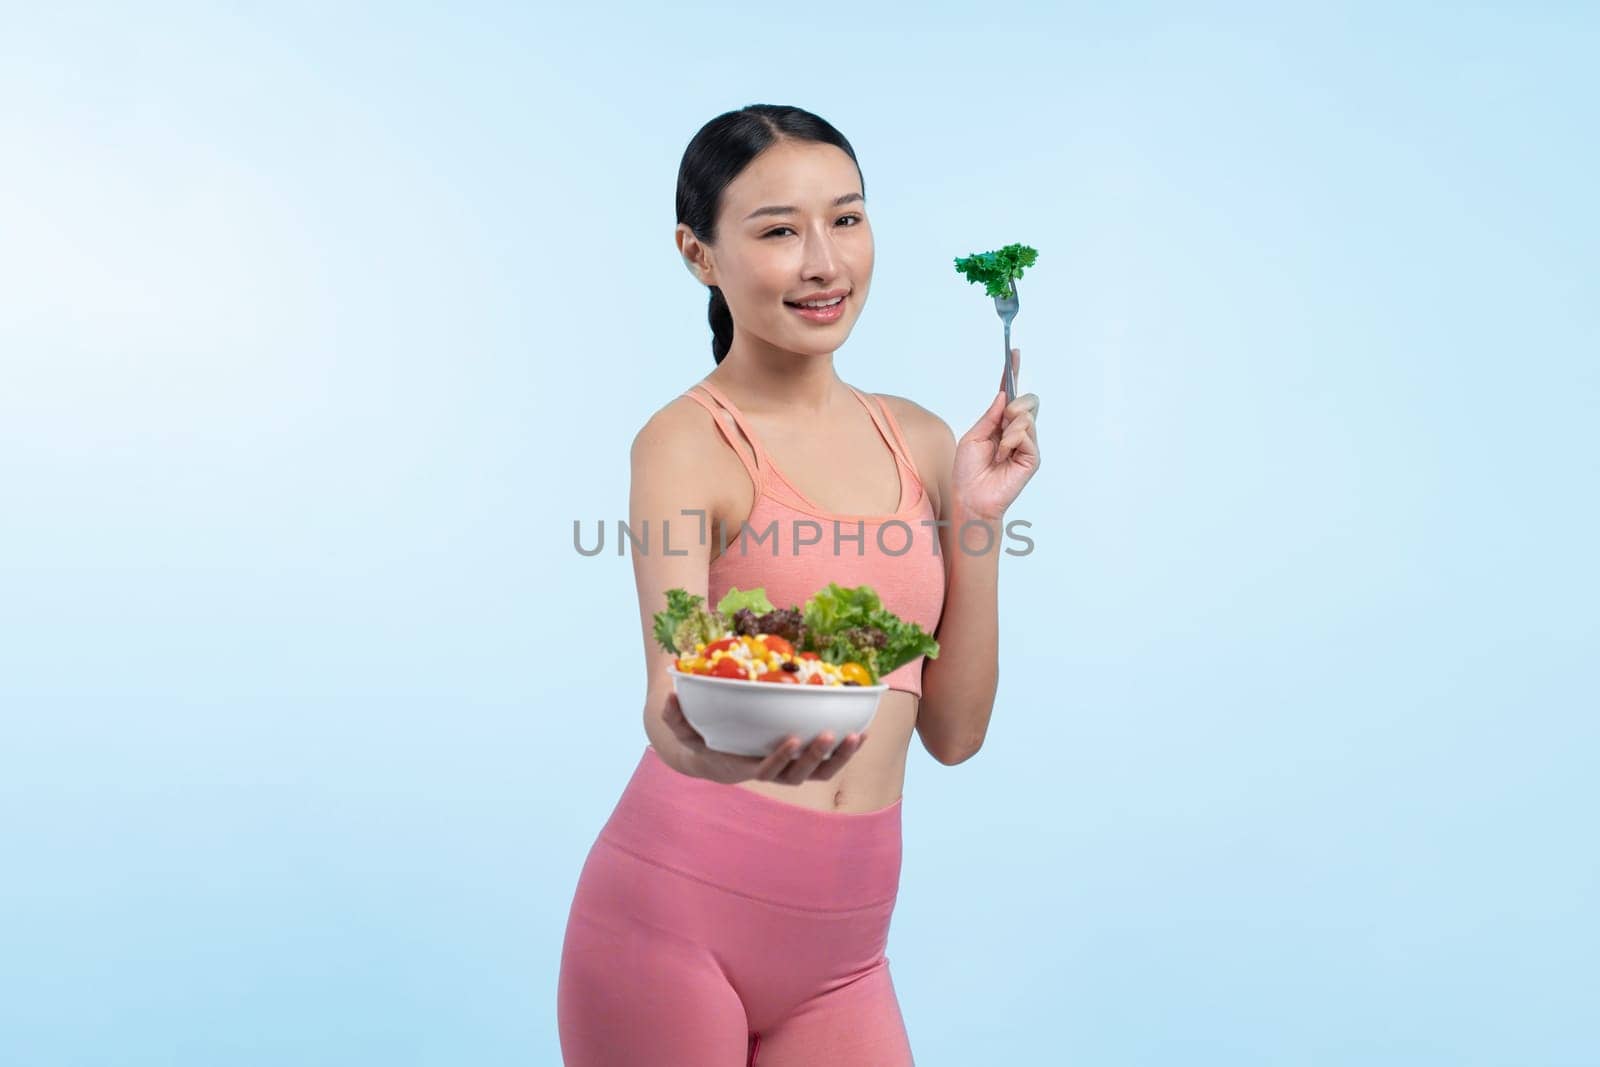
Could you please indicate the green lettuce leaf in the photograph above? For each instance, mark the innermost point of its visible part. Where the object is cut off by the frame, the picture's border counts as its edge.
(754, 599)
(686, 622)
(997, 270)
(906, 642)
(844, 624)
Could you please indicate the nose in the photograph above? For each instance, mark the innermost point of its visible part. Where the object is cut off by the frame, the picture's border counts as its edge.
(821, 257)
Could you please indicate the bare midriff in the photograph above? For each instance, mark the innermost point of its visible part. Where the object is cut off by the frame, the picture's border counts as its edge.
(873, 778)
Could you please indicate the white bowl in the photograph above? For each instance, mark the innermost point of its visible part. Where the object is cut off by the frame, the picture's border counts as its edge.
(753, 718)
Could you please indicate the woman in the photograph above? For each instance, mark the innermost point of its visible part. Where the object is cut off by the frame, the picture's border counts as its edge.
(734, 910)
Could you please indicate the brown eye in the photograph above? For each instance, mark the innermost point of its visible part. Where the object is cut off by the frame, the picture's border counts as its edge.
(781, 229)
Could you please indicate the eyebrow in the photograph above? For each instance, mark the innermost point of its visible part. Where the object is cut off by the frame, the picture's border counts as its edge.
(790, 209)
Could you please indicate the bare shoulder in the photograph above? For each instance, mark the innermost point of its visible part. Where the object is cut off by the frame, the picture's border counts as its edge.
(673, 432)
(680, 460)
(919, 423)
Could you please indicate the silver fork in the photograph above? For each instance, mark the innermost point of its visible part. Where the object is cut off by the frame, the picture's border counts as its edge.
(1006, 308)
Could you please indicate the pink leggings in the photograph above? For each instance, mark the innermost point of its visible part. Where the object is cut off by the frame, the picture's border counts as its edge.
(717, 927)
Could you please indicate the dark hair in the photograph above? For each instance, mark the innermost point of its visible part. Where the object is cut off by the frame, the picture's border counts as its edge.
(716, 155)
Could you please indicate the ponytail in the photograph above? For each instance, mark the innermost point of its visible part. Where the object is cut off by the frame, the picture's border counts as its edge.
(721, 324)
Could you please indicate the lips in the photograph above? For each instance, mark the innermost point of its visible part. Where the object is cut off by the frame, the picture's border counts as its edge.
(824, 315)
(829, 295)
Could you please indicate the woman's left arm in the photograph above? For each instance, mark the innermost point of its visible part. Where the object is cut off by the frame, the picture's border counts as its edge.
(978, 479)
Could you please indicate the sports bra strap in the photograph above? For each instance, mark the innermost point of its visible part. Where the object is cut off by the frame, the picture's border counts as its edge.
(719, 415)
(897, 442)
(768, 478)
(733, 409)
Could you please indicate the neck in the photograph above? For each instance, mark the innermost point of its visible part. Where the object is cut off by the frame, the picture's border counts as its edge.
(763, 377)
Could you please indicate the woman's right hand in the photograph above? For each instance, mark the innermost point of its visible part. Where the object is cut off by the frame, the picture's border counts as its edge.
(787, 763)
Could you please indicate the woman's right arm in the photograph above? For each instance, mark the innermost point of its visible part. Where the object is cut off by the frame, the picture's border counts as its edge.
(672, 484)
(669, 483)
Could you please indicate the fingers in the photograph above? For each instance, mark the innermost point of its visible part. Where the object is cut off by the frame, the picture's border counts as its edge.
(807, 760)
(1024, 404)
(996, 420)
(778, 760)
(988, 423)
(1020, 420)
(1026, 407)
(1018, 430)
(1017, 447)
(805, 766)
(1016, 369)
(847, 748)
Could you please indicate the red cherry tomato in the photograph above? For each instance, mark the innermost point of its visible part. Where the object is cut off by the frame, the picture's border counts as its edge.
(816, 679)
(777, 644)
(809, 655)
(728, 667)
(782, 677)
(725, 643)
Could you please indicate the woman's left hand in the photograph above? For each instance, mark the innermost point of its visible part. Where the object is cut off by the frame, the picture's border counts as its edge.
(995, 458)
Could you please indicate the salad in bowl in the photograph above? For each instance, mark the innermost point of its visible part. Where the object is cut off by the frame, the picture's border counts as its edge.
(748, 674)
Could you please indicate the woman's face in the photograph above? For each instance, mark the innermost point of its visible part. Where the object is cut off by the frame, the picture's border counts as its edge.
(765, 259)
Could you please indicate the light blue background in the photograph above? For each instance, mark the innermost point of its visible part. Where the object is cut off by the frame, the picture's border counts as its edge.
(319, 327)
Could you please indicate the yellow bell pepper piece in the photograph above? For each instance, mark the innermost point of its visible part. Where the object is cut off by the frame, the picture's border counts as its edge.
(854, 672)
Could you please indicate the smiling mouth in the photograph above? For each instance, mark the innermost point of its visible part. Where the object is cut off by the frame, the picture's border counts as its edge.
(815, 306)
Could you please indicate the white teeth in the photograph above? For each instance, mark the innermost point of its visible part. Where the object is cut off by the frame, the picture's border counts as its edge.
(822, 304)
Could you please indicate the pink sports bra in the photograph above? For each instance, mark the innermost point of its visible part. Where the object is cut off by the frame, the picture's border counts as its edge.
(792, 548)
